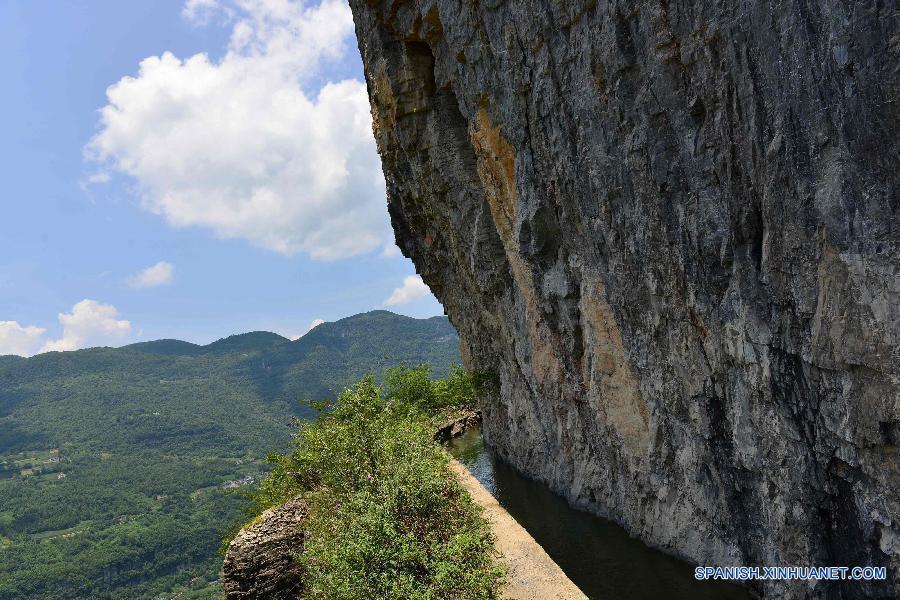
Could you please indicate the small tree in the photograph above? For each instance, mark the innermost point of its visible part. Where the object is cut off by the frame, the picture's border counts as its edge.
(387, 518)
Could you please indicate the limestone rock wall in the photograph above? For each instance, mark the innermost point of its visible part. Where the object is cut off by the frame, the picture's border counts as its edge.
(671, 229)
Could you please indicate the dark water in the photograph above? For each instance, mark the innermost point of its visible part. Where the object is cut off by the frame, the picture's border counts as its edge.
(595, 553)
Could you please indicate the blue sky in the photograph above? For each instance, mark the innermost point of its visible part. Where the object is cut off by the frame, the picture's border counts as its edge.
(247, 177)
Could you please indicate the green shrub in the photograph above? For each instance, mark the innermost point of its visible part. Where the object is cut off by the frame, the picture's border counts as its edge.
(387, 517)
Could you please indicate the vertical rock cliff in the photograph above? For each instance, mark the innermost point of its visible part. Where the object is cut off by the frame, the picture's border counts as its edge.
(671, 230)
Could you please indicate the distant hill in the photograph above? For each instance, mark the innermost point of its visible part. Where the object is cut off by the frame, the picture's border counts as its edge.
(113, 460)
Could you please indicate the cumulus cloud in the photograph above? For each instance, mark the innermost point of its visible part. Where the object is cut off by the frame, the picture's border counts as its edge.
(315, 323)
(153, 276)
(18, 339)
(242, 145)
(413, 288)
(89, 324)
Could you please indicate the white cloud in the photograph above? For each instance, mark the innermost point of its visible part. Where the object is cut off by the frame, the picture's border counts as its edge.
(89, 324)
(315, 323)
(99, 177)
(153, 276)
(16, 339)
(239, 146)
(200, 11)
(413, 288)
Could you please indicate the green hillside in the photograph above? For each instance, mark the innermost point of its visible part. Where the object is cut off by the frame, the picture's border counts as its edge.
(118, 466)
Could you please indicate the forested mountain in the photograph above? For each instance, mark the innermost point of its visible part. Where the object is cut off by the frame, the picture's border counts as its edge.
(119, 466)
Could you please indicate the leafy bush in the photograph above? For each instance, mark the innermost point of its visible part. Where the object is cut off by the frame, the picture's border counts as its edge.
(387, 517)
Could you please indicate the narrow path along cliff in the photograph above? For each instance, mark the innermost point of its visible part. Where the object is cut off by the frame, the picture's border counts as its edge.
(531, 573)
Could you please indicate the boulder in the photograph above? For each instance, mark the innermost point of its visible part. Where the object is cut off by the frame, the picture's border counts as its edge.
(261, 560)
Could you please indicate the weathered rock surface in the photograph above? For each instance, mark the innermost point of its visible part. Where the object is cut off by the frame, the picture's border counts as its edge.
(458, 426)
(261, 560)
(671, 229)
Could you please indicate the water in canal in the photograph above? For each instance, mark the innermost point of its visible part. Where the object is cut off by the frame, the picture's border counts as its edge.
(596, 554)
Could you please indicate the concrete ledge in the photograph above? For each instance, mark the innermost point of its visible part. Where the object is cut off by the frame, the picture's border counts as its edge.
(531, 573)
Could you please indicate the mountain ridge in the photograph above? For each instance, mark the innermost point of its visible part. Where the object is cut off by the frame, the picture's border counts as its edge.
(171, 346)
(114, 461)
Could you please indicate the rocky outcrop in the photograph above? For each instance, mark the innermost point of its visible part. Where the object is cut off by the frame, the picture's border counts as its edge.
(671, 230)
(261, 560)
(458, 426)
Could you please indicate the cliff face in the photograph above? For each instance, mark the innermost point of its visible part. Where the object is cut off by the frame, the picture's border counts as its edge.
(671, 229)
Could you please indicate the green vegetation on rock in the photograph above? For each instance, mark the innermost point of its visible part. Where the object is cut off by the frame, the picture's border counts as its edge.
(387, 518)
(119, 467)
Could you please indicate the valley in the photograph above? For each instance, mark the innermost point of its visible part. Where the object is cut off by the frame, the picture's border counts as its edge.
(121, 469)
